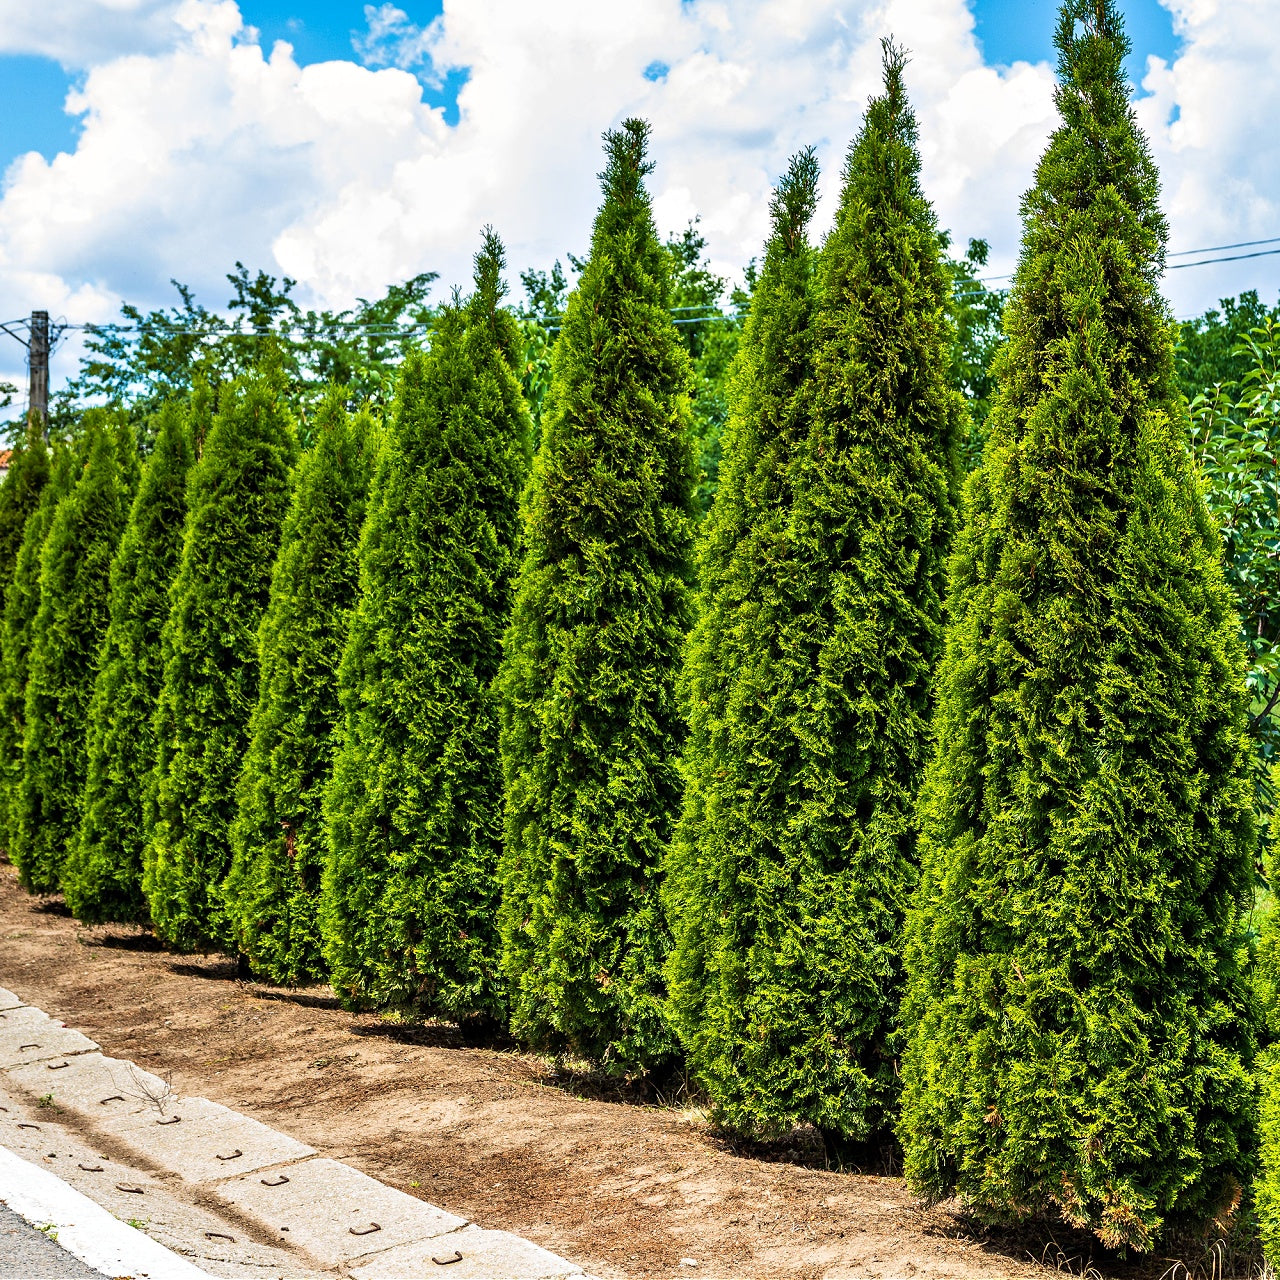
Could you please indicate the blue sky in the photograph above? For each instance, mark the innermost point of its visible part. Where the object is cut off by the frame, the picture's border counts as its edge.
(199, 153)
(36, 88)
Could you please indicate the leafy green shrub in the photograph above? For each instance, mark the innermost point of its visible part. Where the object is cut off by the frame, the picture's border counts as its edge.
(1266, 1187)
(278, 840)
(591, 732)
(19, 496)
(102, 879)
(1235, 432)
(1080, 1029)
(70, 623)
(415, 809)
(236, 498)
(21, 603)
(809, 674)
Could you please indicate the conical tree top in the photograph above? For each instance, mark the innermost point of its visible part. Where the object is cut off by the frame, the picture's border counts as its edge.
(489, 284)
(772, 362)
(590, 759)
(886, 148)
(792, 206)
(1095, 184)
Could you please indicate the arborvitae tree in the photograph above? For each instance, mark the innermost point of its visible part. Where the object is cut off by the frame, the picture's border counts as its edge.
(21, 604)
(808, 680)
(1080, 1031)
(1267, 1187)
(279, 840)
(741, 548)
(415, 807)
(19, 496)
(591, 730)
(1265, 976)
(75, 568)
(237, 498)
(103, 876)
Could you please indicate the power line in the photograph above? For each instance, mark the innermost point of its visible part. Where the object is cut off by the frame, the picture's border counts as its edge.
(1239, 257)
(1220, 248)
(1186, 253)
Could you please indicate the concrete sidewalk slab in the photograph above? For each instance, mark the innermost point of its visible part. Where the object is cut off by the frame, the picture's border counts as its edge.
(27, 1035)
(93, 1086)
(485, 1255)
(240, 1197)
(152, 1202)
(8, 1000)
(203, 1141)
(335, 1212)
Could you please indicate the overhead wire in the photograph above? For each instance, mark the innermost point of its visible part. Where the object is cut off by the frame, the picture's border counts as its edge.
(392, 329)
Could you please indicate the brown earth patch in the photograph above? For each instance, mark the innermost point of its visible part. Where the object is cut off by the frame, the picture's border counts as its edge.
(624, 1188)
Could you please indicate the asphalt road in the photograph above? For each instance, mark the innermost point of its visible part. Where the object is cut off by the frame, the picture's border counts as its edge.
(28, 1254)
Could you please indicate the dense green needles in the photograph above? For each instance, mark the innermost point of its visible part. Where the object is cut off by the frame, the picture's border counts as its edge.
(809, 674)
(19, 496)
(591, 731)
(103, 876)
(21, 605)
(67, 633)
(237, 499)
(415, 806)
(279, 838)
(1080, 1030)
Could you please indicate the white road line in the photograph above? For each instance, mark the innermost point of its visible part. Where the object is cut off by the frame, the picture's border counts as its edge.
(84, 1228)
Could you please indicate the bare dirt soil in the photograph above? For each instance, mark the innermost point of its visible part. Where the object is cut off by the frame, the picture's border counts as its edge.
(624, 1188)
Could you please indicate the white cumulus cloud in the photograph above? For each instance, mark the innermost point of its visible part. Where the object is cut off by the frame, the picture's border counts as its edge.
(199, 147)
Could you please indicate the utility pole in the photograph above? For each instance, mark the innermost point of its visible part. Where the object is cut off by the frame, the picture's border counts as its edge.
(38, 366)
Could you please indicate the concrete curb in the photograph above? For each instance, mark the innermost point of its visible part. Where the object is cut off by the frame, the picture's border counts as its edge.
(85, 1229)
(336, 1216)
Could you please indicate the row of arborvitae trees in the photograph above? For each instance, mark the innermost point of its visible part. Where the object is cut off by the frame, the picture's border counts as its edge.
(700, 800)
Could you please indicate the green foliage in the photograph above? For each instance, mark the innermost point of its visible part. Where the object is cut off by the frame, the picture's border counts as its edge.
(21, 603)
(1266, 1188)
(809, 674)
(707, 330)
(710, 335)
(1236, 439)
(1209, 350)
(976, 314)
(590, 728)
(279, 840)
(19, 496)
(237, 498)
(102, 879)
(75, 567)
(539, 317)
(151, 357)
(410, 894)
(1080, 1029)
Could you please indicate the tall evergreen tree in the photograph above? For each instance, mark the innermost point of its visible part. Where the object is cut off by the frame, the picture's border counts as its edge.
(70, 623)
(237, 498)
(21, 605)
(103, 876)
(415, 808)
(1080, 1032)
(19, 496)
(809, 677)
(278, 840)
(591, 731)
(741, 548)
